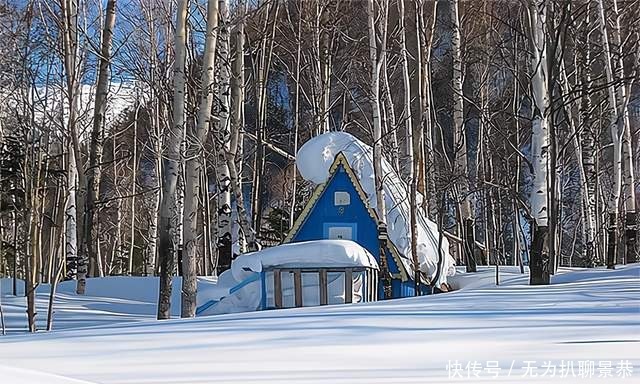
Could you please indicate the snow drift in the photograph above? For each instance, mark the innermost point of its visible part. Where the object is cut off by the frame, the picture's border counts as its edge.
(314, 160)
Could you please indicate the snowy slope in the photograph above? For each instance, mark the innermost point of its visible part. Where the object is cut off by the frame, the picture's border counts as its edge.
(108, 300)
(586, 315)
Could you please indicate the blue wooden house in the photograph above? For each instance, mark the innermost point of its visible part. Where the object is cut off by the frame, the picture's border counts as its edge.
(339, 209)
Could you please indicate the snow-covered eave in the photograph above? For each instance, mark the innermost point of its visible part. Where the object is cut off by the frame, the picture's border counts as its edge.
(332, 254)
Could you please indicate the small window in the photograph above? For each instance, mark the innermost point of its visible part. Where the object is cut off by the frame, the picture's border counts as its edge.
(341, 198)
(341, 233)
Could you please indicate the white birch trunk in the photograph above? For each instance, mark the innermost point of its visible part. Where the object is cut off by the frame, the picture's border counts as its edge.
(376, 61)
(411, 164)
(150, 250)
(171, 168)
(539, 145)
(71, 224)
(587, 149)
(461, 167)
(616, 98)
(95, 151)
(193, 166)
(223, 134)
(376, 64)
(246, 235)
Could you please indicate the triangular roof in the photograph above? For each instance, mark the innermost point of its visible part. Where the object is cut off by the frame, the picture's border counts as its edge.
(341, 160)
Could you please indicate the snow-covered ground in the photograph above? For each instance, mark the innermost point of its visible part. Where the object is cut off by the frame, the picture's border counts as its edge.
(588, 320)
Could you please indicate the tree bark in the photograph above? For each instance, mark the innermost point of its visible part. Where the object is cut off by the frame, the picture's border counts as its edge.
(93, 172)
(539, 255)
(376, 61)
(193, 166)
(223, 137)
(423, 137)
(411, 165)
(461, 168)
(169, 215)
(617, 104)
(234, 156)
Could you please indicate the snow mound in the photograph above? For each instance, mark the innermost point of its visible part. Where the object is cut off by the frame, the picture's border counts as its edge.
(314, 160)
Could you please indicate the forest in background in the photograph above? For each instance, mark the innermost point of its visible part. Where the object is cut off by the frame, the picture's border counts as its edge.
(155, 137)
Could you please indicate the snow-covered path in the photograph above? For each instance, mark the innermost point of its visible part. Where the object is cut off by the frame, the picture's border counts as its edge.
(590, 316)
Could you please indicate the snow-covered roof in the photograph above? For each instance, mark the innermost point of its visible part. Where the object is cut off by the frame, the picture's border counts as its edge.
(308, 254)
(314, 160)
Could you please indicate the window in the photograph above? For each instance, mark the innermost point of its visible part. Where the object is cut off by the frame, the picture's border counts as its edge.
(341, 233)
(341, 198)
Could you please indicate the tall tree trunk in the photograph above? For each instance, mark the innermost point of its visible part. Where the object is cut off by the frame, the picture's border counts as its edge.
(539, 255)
(587, 142)
(116, 263)
(93, 173)
(461, 168)
(223, 137)
(617, 104)
(234, 156)
(296, 122)
(262, 77)
(75, 249)
(134, 173)
(376, 61)
(71, 236)
(154, 134)
(169, 215)
(391, 125)
(193, 166)
(423, 144)
(411, 165)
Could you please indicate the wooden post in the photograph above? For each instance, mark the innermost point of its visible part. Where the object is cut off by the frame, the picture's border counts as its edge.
(323, 286)
(375, 285)
(297, 286)
(277, 288)
(368, 284)
(348, 286)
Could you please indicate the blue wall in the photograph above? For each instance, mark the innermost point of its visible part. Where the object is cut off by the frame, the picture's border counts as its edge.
(326, 214)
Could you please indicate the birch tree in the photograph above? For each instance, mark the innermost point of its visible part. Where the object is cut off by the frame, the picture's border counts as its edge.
(617, 98)
(193, 165)
(223, 136)
(423, 138)
(169, 215)
(234, 156)
(75, 250)
(95, 153)
(461, 168)
(411, 165)
(377, 52)
(587, 142)
(539, 254)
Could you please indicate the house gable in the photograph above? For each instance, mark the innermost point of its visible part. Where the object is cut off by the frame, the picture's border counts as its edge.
(339, 208)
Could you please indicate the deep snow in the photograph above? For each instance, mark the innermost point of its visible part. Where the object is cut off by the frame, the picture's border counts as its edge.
(585, 315)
